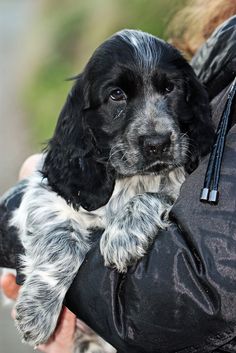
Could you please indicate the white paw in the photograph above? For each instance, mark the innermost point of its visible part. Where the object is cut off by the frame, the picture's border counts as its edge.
(127, 238)
(124, 252)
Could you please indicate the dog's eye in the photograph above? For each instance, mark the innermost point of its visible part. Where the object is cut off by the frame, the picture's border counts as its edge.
(117, 95)
(169, 87)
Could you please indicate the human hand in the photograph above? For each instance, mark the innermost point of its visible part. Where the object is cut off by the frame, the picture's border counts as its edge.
(29, 166)
(62, 340)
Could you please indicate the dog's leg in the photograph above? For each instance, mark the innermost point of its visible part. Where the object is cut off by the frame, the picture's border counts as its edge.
(41, 297)
(55, 246)
(129, 234)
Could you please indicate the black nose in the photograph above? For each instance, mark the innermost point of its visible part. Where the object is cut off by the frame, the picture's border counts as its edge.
(155, 145)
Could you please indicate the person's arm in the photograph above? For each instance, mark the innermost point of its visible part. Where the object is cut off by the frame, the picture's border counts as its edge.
(181, 297)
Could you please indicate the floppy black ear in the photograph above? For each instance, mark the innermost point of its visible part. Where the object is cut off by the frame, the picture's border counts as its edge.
(197, 122)
(72, 164)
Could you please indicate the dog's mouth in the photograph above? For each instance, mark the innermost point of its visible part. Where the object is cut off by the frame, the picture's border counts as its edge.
(144, 167)
(158, 167)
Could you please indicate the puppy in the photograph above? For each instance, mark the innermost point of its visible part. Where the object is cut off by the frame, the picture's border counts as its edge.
(135, 122)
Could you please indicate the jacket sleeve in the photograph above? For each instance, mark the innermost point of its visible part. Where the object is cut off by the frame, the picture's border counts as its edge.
(181, 297)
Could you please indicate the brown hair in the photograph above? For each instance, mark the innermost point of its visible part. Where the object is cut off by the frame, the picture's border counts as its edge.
(192, 25)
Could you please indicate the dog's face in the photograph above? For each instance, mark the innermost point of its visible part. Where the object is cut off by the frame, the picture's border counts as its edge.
(138, 94)
(137, 108)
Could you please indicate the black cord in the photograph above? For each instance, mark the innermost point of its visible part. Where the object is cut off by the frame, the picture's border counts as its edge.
(214, 194)
(210, 192)
(211, 165)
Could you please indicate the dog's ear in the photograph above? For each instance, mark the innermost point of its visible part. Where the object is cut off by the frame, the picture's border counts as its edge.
(197, 120)
(72, 164)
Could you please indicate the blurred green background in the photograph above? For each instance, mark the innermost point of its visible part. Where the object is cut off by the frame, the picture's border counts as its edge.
(70, 31)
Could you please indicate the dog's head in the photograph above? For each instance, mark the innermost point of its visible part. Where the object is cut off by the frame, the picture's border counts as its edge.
(137, 108)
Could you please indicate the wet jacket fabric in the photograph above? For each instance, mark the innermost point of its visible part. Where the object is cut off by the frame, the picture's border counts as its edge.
(181, 297)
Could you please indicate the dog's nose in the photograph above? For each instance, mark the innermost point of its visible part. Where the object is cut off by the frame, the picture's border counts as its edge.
(156, 144)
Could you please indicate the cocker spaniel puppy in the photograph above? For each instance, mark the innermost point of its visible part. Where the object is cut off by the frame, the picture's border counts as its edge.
(135, 122)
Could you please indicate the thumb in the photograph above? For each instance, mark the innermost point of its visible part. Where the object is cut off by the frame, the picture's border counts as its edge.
(9, 286)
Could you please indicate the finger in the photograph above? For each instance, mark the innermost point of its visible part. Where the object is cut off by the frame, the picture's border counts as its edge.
(29, 166)
(66, 325)
(9, 286)
(63, 338)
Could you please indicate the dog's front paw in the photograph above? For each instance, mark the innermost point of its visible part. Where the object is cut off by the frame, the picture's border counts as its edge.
(122, 245)
(128, 236)
(122, 253)
(36, 319)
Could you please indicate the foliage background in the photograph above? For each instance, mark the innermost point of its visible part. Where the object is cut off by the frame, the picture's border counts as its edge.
(67, 33)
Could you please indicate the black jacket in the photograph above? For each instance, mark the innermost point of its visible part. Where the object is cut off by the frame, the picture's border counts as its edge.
(181, 297)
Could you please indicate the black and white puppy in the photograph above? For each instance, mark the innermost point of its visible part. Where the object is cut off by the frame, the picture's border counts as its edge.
(135, 122)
